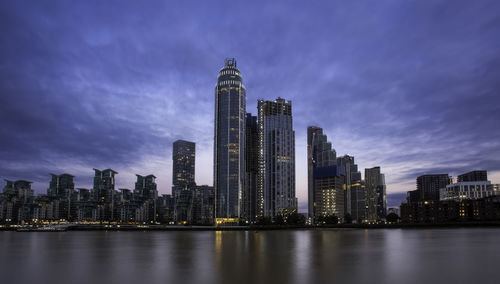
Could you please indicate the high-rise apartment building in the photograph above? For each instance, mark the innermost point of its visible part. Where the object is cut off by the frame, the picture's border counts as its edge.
(145, 187)
(229, 144)
(103, 192)
(428, 186)
(329, 192)
(319, 154)
(276, 176)
(104, 185)
(60, 185)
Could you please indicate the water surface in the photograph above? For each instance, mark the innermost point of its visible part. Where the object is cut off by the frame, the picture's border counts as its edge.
(288, 256)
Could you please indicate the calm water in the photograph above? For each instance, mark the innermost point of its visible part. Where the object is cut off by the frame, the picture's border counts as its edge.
(321, 256)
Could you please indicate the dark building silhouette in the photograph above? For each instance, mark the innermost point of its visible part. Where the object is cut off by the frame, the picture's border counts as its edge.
(473, 176)
(203, 205)
(375, 194)
(428, 186)
(251, 166)
(229, 144)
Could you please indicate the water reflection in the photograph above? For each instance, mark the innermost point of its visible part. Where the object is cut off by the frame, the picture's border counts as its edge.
(294, 256)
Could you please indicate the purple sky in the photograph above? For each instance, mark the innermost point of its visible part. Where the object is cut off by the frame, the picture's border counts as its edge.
(411, 86)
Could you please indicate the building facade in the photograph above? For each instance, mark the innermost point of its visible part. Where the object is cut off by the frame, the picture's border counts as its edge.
(276, 175)
(467, 190)
(183, 165)
(319, 154)
(428, 187)
(229, 142)
(329, 186)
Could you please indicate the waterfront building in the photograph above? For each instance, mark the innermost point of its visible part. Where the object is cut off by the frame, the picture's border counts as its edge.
(376, 194)
(229, 144)
(14, 201)
(104, 185)
(147, 192)
(467, 190)
(428, 186)
(358, 199)
(251, 166)
(329, 184)
(203, 205)
(166, 207)
(319, 154)
(103, 193)
(276, 175)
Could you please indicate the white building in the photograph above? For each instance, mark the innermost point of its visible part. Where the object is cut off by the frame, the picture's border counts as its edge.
(468, 190)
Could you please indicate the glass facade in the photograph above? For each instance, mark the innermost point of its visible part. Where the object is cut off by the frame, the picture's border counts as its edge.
(229, 162)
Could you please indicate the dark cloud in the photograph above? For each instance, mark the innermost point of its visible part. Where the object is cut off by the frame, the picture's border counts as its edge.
(411, 86)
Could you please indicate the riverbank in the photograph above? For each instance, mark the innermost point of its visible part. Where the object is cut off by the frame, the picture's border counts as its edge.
(135, 227)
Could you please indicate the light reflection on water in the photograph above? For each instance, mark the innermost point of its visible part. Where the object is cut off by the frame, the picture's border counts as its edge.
(288, 256)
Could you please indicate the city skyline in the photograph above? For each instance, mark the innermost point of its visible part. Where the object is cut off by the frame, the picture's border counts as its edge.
(111, 97)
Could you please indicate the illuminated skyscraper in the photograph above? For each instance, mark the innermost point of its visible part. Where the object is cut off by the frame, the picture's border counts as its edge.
(276, 175)
(229, 144)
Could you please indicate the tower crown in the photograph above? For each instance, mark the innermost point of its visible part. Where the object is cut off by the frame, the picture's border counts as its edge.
(230, 62)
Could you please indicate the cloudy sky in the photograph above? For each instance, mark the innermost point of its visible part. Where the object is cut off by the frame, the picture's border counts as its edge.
(411, 86)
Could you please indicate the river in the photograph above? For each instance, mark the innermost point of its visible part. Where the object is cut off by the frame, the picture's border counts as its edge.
(470, 255)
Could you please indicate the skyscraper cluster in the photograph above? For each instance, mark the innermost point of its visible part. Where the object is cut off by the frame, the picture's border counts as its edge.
(253, 170)
(335, 186)
(254, 156)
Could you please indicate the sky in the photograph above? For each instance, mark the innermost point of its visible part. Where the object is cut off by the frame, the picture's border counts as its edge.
(410, 86)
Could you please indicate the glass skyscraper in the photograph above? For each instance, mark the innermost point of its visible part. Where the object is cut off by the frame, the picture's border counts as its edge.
(229, 144)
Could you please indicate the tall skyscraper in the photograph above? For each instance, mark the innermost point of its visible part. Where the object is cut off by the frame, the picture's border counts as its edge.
(252, 166)
(229, 144)
(347, 166)
(276, 176)
(376, 195)
(183, 156)
(319, 154)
